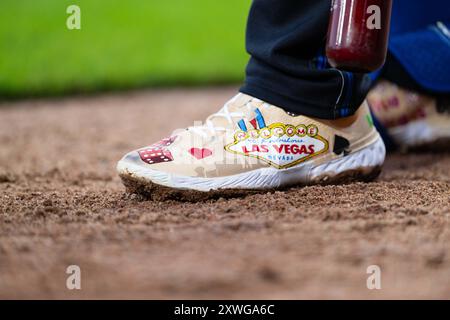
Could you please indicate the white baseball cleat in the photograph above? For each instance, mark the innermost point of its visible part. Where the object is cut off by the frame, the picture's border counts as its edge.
(252, 145)
(411, 119)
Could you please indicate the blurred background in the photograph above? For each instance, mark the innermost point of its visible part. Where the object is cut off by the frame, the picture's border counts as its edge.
(121, 45)
(62, 203)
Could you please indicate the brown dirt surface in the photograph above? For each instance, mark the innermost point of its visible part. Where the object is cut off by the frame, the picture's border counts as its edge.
(63, 204)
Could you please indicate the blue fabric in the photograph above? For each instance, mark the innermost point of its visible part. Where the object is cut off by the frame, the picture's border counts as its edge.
(421, 47)
(413, 15)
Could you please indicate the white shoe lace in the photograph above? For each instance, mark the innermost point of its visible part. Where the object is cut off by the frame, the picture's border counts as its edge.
(210, 129)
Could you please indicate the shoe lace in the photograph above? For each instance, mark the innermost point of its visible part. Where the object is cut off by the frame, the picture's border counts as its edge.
(210, 128)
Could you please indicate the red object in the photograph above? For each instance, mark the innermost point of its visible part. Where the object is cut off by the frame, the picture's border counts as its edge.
(358, 34)
(200, 153)
(164, 142)
(157, 152)
(254, 123)
(152, 156)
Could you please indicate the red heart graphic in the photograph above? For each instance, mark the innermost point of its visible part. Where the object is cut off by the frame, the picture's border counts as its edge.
(200, 153)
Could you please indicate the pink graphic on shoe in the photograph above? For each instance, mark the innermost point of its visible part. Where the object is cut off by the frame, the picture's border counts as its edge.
(164, 142)
(152, 156)
(157, 152)
(200, 153)
(394, 101)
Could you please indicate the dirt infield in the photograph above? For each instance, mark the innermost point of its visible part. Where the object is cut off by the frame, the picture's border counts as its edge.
(62, 204)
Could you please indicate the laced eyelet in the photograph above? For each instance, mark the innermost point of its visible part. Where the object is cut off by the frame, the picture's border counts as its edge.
(209, 129)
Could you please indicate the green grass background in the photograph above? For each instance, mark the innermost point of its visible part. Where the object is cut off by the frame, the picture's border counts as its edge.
(122, 44)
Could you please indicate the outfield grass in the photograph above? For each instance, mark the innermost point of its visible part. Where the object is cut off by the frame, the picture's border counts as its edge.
(122, 44)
